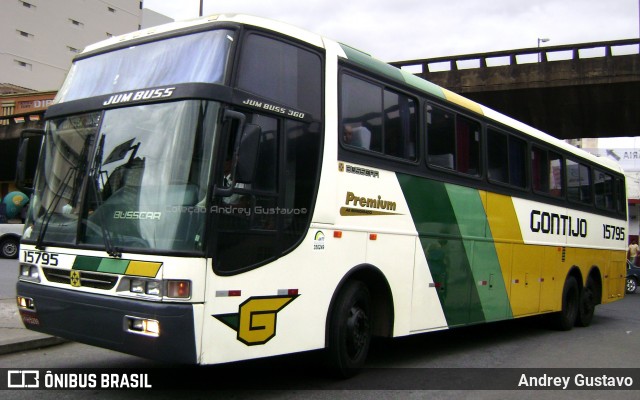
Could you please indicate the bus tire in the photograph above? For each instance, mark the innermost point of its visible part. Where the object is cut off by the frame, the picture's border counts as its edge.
(350, 330)
(566, 318)
(587, 304)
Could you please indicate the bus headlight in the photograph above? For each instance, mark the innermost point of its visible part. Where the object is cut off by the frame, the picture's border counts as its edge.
(145, 286)
(154, 288)
(170, 289)
(29, 272)
(137, 286)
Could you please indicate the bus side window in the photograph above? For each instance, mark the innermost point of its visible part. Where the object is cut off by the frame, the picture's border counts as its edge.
(507, 156)
(539, 170)
(453, 141)
(377, 119)
(440, 138)
(604, 190)
(361, 112)
(578, 182)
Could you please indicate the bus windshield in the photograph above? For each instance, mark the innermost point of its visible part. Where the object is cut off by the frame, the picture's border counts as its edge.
(126, 178)
(199, 57)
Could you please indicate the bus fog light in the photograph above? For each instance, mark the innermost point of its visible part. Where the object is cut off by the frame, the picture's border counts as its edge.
(137, 286)
(179, 289)
(26, 303)
(142, 326)
(152, 327)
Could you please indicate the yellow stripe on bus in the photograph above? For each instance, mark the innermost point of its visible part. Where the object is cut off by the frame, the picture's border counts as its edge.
(463, 102)
(143, 268)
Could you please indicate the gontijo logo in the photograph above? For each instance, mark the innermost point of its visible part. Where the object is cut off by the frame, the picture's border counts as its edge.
(256, 319)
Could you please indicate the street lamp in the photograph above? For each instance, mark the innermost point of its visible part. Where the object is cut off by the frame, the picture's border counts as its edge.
(541, 40)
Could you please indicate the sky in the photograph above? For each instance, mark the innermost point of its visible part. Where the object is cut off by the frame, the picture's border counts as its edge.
(396, 30)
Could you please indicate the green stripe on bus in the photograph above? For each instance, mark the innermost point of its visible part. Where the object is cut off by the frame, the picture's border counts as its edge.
(481, 251)
(113, 266)
(365, 60)
(435, 219)
(86, 263)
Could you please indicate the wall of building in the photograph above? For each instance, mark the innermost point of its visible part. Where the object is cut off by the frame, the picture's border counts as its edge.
(41, 37)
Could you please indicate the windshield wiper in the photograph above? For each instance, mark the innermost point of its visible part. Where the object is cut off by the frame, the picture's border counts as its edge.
(53, 205)
(72, 174)
(94, 175)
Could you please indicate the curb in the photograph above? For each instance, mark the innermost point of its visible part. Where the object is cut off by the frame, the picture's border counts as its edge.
(30, 344)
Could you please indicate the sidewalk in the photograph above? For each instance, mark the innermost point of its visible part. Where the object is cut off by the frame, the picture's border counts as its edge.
(14, 337)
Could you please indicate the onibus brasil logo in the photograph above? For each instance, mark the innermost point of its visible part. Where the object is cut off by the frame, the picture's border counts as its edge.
(256, 319)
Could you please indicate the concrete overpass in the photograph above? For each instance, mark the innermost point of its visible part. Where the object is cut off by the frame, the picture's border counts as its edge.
(571, 91)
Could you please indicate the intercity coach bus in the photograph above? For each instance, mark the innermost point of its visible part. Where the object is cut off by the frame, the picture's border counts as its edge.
(231, 187)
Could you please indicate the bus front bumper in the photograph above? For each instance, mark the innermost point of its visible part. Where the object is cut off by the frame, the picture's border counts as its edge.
(159, 331)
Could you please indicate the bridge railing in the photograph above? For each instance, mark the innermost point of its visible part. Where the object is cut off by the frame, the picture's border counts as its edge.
(511, 56)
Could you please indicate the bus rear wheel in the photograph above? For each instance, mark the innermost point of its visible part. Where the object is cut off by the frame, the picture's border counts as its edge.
(587, 306)
(566, 318)
(350, 330)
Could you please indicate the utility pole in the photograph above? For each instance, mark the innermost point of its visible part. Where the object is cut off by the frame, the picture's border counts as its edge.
(202, 7)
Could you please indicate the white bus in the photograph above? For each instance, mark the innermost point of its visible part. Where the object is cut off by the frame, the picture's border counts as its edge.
(230, 188)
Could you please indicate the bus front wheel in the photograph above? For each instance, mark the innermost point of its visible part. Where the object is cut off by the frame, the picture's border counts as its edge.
(350, 331)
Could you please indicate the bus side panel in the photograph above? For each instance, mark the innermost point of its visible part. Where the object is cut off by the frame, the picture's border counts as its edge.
(281, 307)
(551, 284)
(469, 207)
(614, 285)
(394, 256)
(461, 257)
(426, 311)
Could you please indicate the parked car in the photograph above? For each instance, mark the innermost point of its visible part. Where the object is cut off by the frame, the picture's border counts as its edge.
(10, 239)
(633, 277)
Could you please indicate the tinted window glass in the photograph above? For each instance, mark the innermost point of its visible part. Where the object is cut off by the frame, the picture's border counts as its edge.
(539, 170)
(361, 113)
(517, 162)
(400, 125)
(506, 158)
(267, 215)
(200, 57)
(578, 182)
(378, 119)
(497, 157)
(621, 197)
(441, 142)
(556, 176)
(282, 72)
(604, 191)
(453, 141)
(467, 146)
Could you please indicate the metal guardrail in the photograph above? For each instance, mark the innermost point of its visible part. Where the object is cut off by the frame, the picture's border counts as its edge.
(511, 55)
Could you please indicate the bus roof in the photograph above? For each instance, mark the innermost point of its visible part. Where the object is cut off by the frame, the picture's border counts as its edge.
(362, 59)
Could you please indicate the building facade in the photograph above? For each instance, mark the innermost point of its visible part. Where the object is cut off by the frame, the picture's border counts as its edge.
(41, 37)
